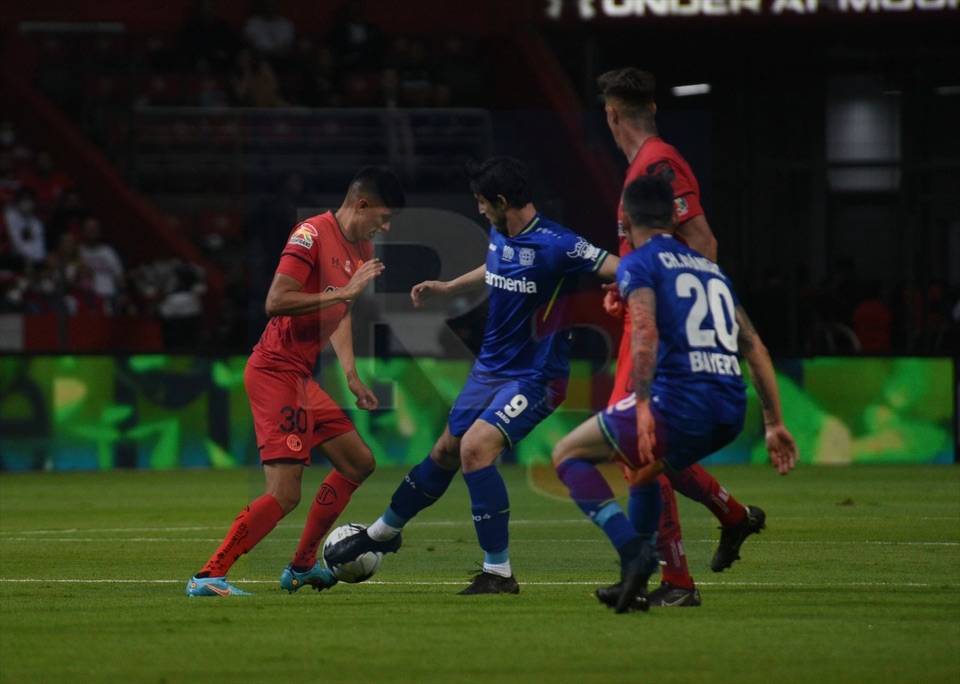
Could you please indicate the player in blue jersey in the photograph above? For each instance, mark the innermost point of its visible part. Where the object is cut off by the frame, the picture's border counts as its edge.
(689, 334)
(519, 377)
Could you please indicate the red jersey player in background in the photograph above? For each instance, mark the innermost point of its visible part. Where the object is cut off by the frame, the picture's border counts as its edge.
(628, 95)
(327, 262)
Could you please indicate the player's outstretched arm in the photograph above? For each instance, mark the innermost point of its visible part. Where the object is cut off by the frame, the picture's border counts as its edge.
(612, 302)
(472, 280)
(284, 297)
(342, 341)
(780, 444)
(608, 269)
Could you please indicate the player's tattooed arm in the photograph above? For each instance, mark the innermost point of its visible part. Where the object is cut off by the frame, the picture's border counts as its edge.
(780, 443)
(754, 351)
(644, 338)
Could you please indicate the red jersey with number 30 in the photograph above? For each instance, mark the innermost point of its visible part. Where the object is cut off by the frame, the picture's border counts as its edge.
(655, 158)
(320, 257)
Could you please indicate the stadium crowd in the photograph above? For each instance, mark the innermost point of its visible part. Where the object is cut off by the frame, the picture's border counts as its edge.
(54, 257)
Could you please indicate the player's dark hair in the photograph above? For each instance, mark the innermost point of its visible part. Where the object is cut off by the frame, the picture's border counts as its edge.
(504, 176)
(632, 87)
(382, 183)
(648, 201)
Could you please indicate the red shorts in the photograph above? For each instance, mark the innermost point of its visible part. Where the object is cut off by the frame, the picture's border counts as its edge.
(291, 414)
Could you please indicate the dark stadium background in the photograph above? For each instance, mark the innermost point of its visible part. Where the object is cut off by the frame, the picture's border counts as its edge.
(798, 215)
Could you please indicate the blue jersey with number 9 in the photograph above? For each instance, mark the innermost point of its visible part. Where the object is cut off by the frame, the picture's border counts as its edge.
(698, 375)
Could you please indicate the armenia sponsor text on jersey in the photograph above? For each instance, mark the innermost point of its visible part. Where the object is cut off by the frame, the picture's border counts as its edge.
(698, 372)
(530, 279)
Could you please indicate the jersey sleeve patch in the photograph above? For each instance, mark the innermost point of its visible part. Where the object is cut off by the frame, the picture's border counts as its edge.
(583, 249)
(303, 236)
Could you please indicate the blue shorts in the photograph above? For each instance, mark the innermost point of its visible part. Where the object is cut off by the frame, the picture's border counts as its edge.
(514, 406)
(680, 443)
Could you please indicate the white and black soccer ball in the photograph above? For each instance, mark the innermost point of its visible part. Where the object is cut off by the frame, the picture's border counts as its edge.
(357, 570)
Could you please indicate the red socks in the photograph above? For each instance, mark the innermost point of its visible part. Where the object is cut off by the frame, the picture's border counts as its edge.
(332, 497)
(670, 541)
(696, 483)
(253, 524)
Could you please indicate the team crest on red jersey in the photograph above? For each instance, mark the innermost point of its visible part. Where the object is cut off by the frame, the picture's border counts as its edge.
(303, 235)
(294, 443)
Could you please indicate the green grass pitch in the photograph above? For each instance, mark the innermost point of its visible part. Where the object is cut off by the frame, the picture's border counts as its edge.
(856, 579)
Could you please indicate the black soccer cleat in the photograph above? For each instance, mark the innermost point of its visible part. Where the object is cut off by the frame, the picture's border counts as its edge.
(665, 596)
(732, 538)
(488, 583)
(671, 596)
(609, 596)
(635, 574)
(354, 546)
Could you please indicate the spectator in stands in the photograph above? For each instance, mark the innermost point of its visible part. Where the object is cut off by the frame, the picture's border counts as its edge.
(358, 43)
(254, 82)
(322, 83)
(9, 179)
(104, 263)
(442, 95)
(10, 140)
(390, 97)
(11, 261)
(206, 42)
(269, 33)
(181, 308)
(73, 279)
(25, 229)
(872, 322)
(400, 139)
(417, 75)
(48, 182)
(840, 291)
(67, 217)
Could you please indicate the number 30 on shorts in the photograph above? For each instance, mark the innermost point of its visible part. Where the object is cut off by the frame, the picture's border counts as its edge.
(516, 406)
(294, 419)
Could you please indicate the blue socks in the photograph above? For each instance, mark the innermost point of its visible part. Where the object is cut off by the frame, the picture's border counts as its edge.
(421, 488)
(491, 512)
(591, 492)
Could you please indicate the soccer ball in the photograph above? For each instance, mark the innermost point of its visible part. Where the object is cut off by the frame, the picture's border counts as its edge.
(359, 569)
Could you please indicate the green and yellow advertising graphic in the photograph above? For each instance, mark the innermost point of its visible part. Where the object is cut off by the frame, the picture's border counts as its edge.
(172, 411)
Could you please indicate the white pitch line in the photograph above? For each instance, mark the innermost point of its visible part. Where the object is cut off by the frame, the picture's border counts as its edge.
(419, 524)
(784, 585)
(278, 540)
(424, 523)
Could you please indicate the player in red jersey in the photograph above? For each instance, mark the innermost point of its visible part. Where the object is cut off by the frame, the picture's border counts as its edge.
(327, 262)
(628, 95)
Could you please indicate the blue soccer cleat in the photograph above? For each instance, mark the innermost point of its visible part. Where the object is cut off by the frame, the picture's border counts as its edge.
(213, 586)
(317, 577)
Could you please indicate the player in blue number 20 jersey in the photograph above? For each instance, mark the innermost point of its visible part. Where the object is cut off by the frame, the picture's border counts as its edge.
(689, 334)
(518, 379)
